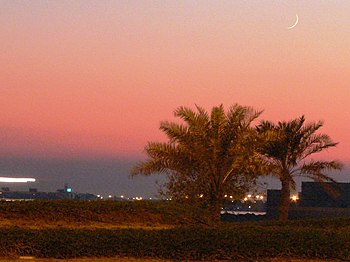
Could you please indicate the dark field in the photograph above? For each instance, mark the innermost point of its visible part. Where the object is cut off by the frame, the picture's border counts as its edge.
(90, 214)
(159, 230)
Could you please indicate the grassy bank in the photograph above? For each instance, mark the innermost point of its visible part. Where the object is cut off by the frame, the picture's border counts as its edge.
(253, 241)
(159, 230)
(106, 214)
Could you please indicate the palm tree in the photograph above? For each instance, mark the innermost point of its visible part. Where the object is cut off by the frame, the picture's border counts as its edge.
(207, 156)
(287, 146)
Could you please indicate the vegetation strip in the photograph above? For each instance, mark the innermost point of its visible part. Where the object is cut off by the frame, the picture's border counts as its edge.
(226, 242)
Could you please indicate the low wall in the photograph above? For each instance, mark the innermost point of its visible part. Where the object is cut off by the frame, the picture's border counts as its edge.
(310, 212)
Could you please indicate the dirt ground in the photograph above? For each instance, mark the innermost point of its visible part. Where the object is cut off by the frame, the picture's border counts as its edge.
(124, 259)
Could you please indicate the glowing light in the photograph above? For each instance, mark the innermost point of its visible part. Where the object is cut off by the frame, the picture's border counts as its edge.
(121, 196)
(249, 196)
(231, 196)
(16, 180)
(245, 199)
(294, 198)
(225, 195)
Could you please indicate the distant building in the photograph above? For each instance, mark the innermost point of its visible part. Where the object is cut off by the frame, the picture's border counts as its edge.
(273, 198)
(33, 194)
(33, 190)
(315, 200)
(325, 195)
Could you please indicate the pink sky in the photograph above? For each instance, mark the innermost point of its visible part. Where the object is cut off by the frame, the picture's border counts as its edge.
(95, 78)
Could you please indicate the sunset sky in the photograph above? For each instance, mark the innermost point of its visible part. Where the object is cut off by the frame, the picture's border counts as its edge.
(89, 81)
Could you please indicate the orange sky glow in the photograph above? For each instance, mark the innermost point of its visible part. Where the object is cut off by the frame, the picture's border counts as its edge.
(95, 78)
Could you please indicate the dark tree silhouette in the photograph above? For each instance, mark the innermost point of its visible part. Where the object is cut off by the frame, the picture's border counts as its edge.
(286, 148)
(207, 156)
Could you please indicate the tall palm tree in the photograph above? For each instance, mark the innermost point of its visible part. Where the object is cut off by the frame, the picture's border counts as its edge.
(286, 148)
(206, 156)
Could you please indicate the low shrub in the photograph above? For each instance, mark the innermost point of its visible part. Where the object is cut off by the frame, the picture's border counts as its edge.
(113, 212)
(198, 243)
(118, 213)
(323, 239)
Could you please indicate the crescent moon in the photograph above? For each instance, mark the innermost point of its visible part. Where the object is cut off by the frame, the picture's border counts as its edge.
(295, 24)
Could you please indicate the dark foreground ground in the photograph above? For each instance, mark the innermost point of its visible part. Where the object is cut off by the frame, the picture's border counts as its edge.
(149, 260)
(158, 231)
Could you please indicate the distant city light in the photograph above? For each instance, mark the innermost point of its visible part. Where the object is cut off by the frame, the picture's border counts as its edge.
(16, 180)
(294, 198)
(261, 197)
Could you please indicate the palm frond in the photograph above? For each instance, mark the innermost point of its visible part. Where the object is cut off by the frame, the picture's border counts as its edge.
(175, 132)
(315, 143)
(315, 168)
(287, 144)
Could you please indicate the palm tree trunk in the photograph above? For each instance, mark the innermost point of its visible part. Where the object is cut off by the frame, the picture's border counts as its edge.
(284, 200)
(215, 210)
